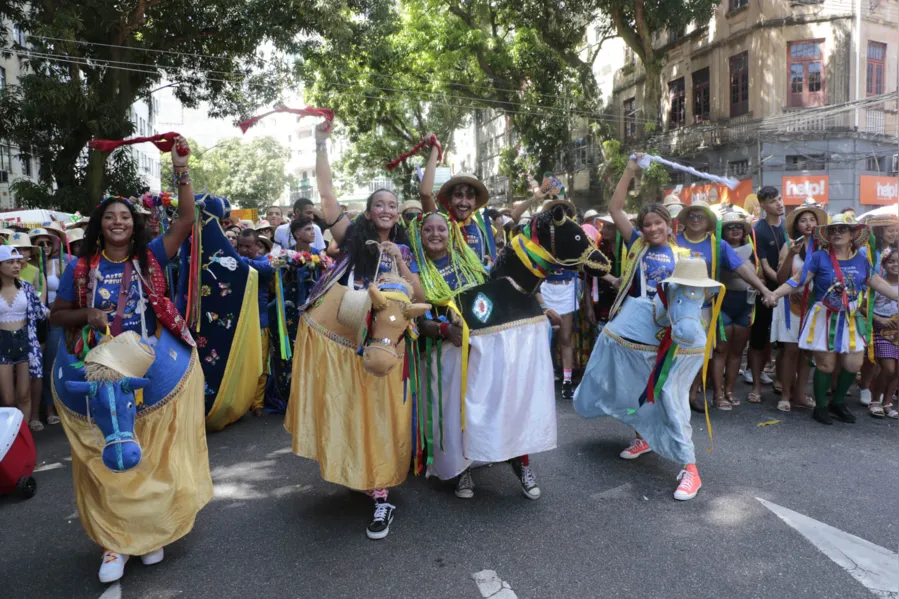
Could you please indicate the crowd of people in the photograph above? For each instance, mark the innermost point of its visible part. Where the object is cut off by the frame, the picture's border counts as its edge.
(406, 317)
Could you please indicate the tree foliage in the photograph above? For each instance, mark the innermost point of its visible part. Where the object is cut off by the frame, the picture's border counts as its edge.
(652, 180)
(250, 174)
(91, 60)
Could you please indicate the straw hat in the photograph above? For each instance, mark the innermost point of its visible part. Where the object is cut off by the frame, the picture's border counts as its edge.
(691, 272)
(702, 206)
(808, 205)
(858, 231)
(74, 235)
(733, 217)
(246, 224)
(410, 205)
(266, 242)
(7, 252)
(353, 311)
(483, 196)
(590, 214)
(80, 223)
(263, 224)
(6, 232)
(41, 232)
(56, 228)
(548, 205)
(126, 354)
(20, 240)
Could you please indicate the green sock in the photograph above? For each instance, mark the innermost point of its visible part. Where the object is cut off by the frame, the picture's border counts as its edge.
(821, 383)
(844, 381)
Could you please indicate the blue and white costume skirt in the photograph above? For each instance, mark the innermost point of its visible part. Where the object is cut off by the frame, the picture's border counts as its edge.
(841, 332)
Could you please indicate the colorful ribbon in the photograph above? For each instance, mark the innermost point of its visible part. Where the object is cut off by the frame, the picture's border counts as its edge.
(327, 113)
(164, 142)
(427, 142)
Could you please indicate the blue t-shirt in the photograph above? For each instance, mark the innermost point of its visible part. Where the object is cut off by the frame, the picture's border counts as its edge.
(266, 273)
(106, 295)
(856, 272)
(446, 271)
(727, 257)
(474, 237)
(657, 265)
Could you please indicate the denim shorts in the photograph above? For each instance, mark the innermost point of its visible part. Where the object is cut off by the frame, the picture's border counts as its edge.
(14, 346)
(735, 310)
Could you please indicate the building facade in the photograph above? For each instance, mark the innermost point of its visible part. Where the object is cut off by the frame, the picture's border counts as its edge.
(777, 93)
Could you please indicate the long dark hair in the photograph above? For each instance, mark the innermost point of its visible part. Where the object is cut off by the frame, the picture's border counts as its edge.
(879, 243)
(93, 238)
(364, 257)
(794, 232)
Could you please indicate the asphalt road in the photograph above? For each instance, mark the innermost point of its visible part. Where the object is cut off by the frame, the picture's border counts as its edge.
(603, 528)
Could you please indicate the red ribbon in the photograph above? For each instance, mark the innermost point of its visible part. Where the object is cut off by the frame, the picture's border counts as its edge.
(163, 141)
(427, 142)
(327, 113)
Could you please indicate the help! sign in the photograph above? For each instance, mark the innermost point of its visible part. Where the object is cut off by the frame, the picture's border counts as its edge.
(879, 191)
(796, 189)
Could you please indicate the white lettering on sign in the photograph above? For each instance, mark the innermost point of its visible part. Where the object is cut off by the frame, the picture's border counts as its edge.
(887, 191)
(806, 188)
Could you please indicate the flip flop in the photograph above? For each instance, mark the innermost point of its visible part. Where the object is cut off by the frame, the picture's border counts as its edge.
(53, 419)
(754, 398)
(36, 426)
(783, 405)
(733, 399)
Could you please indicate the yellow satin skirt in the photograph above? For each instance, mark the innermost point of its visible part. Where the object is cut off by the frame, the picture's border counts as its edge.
(355, 425)
(155, 503)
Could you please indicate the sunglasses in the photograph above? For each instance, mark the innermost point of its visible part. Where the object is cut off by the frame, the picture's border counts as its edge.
(696, 216)
(841, 229)
(43, 244)
(733, 228)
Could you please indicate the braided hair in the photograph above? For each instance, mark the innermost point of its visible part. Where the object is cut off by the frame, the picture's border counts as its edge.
(465, 264)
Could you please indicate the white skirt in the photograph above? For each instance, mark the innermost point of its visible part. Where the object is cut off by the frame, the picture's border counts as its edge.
(446, 414)
(510, 400)
(781, 332)
(561, 297)
(836, 332)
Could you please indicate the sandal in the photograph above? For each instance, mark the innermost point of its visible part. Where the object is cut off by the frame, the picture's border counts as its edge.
(805, 402)
(698, 406)
(722, 404)
(52, 419)
(893, 414)
(783, 405)
(36, 426)
(734, 401)
(754, 398)
(876, 409)
(778, 388)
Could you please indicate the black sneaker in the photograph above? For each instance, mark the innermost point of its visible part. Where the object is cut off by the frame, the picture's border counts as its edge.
(526, 478)
(380, 524)
(841, 413)
(822, 415)
(465, 486)
(567, 390)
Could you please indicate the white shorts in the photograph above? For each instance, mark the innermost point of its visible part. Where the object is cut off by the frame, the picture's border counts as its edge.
(561, 297)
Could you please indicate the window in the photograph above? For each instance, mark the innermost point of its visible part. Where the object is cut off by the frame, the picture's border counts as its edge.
(675, 34)
(5, 158)
(739, 84)
(2, 77)
(737, 4)
(801, 162)
(701, 96)
(677, 98)
(876, 57)
(877, 164)
(18, 35)
(806, 73)
(738, 168)
(677, 177)
(25, 159)
(629, 108)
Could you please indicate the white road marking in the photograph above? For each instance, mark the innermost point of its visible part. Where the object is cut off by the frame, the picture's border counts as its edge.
(72, 516)
(491, 585)
(113, 592)
(872, 565)
(46, 467)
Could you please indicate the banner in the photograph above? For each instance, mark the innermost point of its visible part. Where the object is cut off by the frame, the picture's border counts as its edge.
(713, 193)
(796, 189)
(879, 191)
(244, 214)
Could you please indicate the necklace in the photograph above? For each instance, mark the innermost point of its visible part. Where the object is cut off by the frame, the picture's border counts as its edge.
(122, 261)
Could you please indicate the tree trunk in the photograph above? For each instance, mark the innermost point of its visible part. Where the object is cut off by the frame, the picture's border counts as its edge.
(652, 97)
(96, 173)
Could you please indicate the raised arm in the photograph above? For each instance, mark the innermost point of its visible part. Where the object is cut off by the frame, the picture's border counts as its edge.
(426, 190)
(330, 208)
(522, 207)
(183, 225)
(616, 205)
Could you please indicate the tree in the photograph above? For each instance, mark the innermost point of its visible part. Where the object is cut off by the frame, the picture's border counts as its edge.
(91, 60)
(250, 174)
(652, 180)
(637, 22)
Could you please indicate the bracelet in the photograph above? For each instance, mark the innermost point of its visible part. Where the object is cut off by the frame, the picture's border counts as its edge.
(183, 181)
(321, 146)
(181, 177)
(444, 329)
(544, 307)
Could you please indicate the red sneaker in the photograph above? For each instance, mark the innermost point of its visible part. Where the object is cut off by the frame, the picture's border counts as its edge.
(689, 483)
(637, 448)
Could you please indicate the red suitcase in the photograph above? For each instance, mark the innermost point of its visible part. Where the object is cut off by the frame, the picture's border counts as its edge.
(17, 455)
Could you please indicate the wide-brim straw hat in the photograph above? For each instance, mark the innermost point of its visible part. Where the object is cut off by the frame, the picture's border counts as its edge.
(20, 240)
(263, 224)
(266, 242)
(81, 223)
(691, 272)
(74, 235)
(7, 232)
(733, 217)
(125, 354)
(56, 228)
(548, 205)
(699, 205)
(41, 232)
(808, 205)
(673, 204)
(353, 311)
(410, 205)
(590, 214)
(483, 196)
(858, 231)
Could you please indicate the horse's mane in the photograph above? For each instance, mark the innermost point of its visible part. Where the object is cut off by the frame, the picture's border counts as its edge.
(394, 279)
(102, 374)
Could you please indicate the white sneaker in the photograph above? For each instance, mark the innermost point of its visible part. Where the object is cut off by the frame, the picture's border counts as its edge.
(154, 557)
(864, 395)
(766, 379)
(747, 376)
(113, 566)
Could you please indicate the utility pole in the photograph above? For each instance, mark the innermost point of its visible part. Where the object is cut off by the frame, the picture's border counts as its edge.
(858, 56)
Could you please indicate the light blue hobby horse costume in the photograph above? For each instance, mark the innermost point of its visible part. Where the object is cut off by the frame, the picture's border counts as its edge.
(630, 379)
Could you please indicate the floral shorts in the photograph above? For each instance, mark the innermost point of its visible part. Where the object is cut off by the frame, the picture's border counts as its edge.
(14, 346)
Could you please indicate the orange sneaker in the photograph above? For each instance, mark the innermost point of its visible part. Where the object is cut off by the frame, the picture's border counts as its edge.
(637, 448)
(689, 483)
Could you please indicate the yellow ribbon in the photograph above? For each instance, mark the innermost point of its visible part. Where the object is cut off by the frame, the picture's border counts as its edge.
(811, 329)
(851, 316)
(519, 243)
(709, 343)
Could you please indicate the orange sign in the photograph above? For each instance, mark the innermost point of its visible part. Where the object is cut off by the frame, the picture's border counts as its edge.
(796, 189)
(714, 193)
(879, 190)
(245, 214)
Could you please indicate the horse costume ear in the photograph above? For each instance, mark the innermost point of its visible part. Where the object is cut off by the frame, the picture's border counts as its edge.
(415, 310)
(85, 387)
(134, 383)
(559, 214)
(378, 301)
